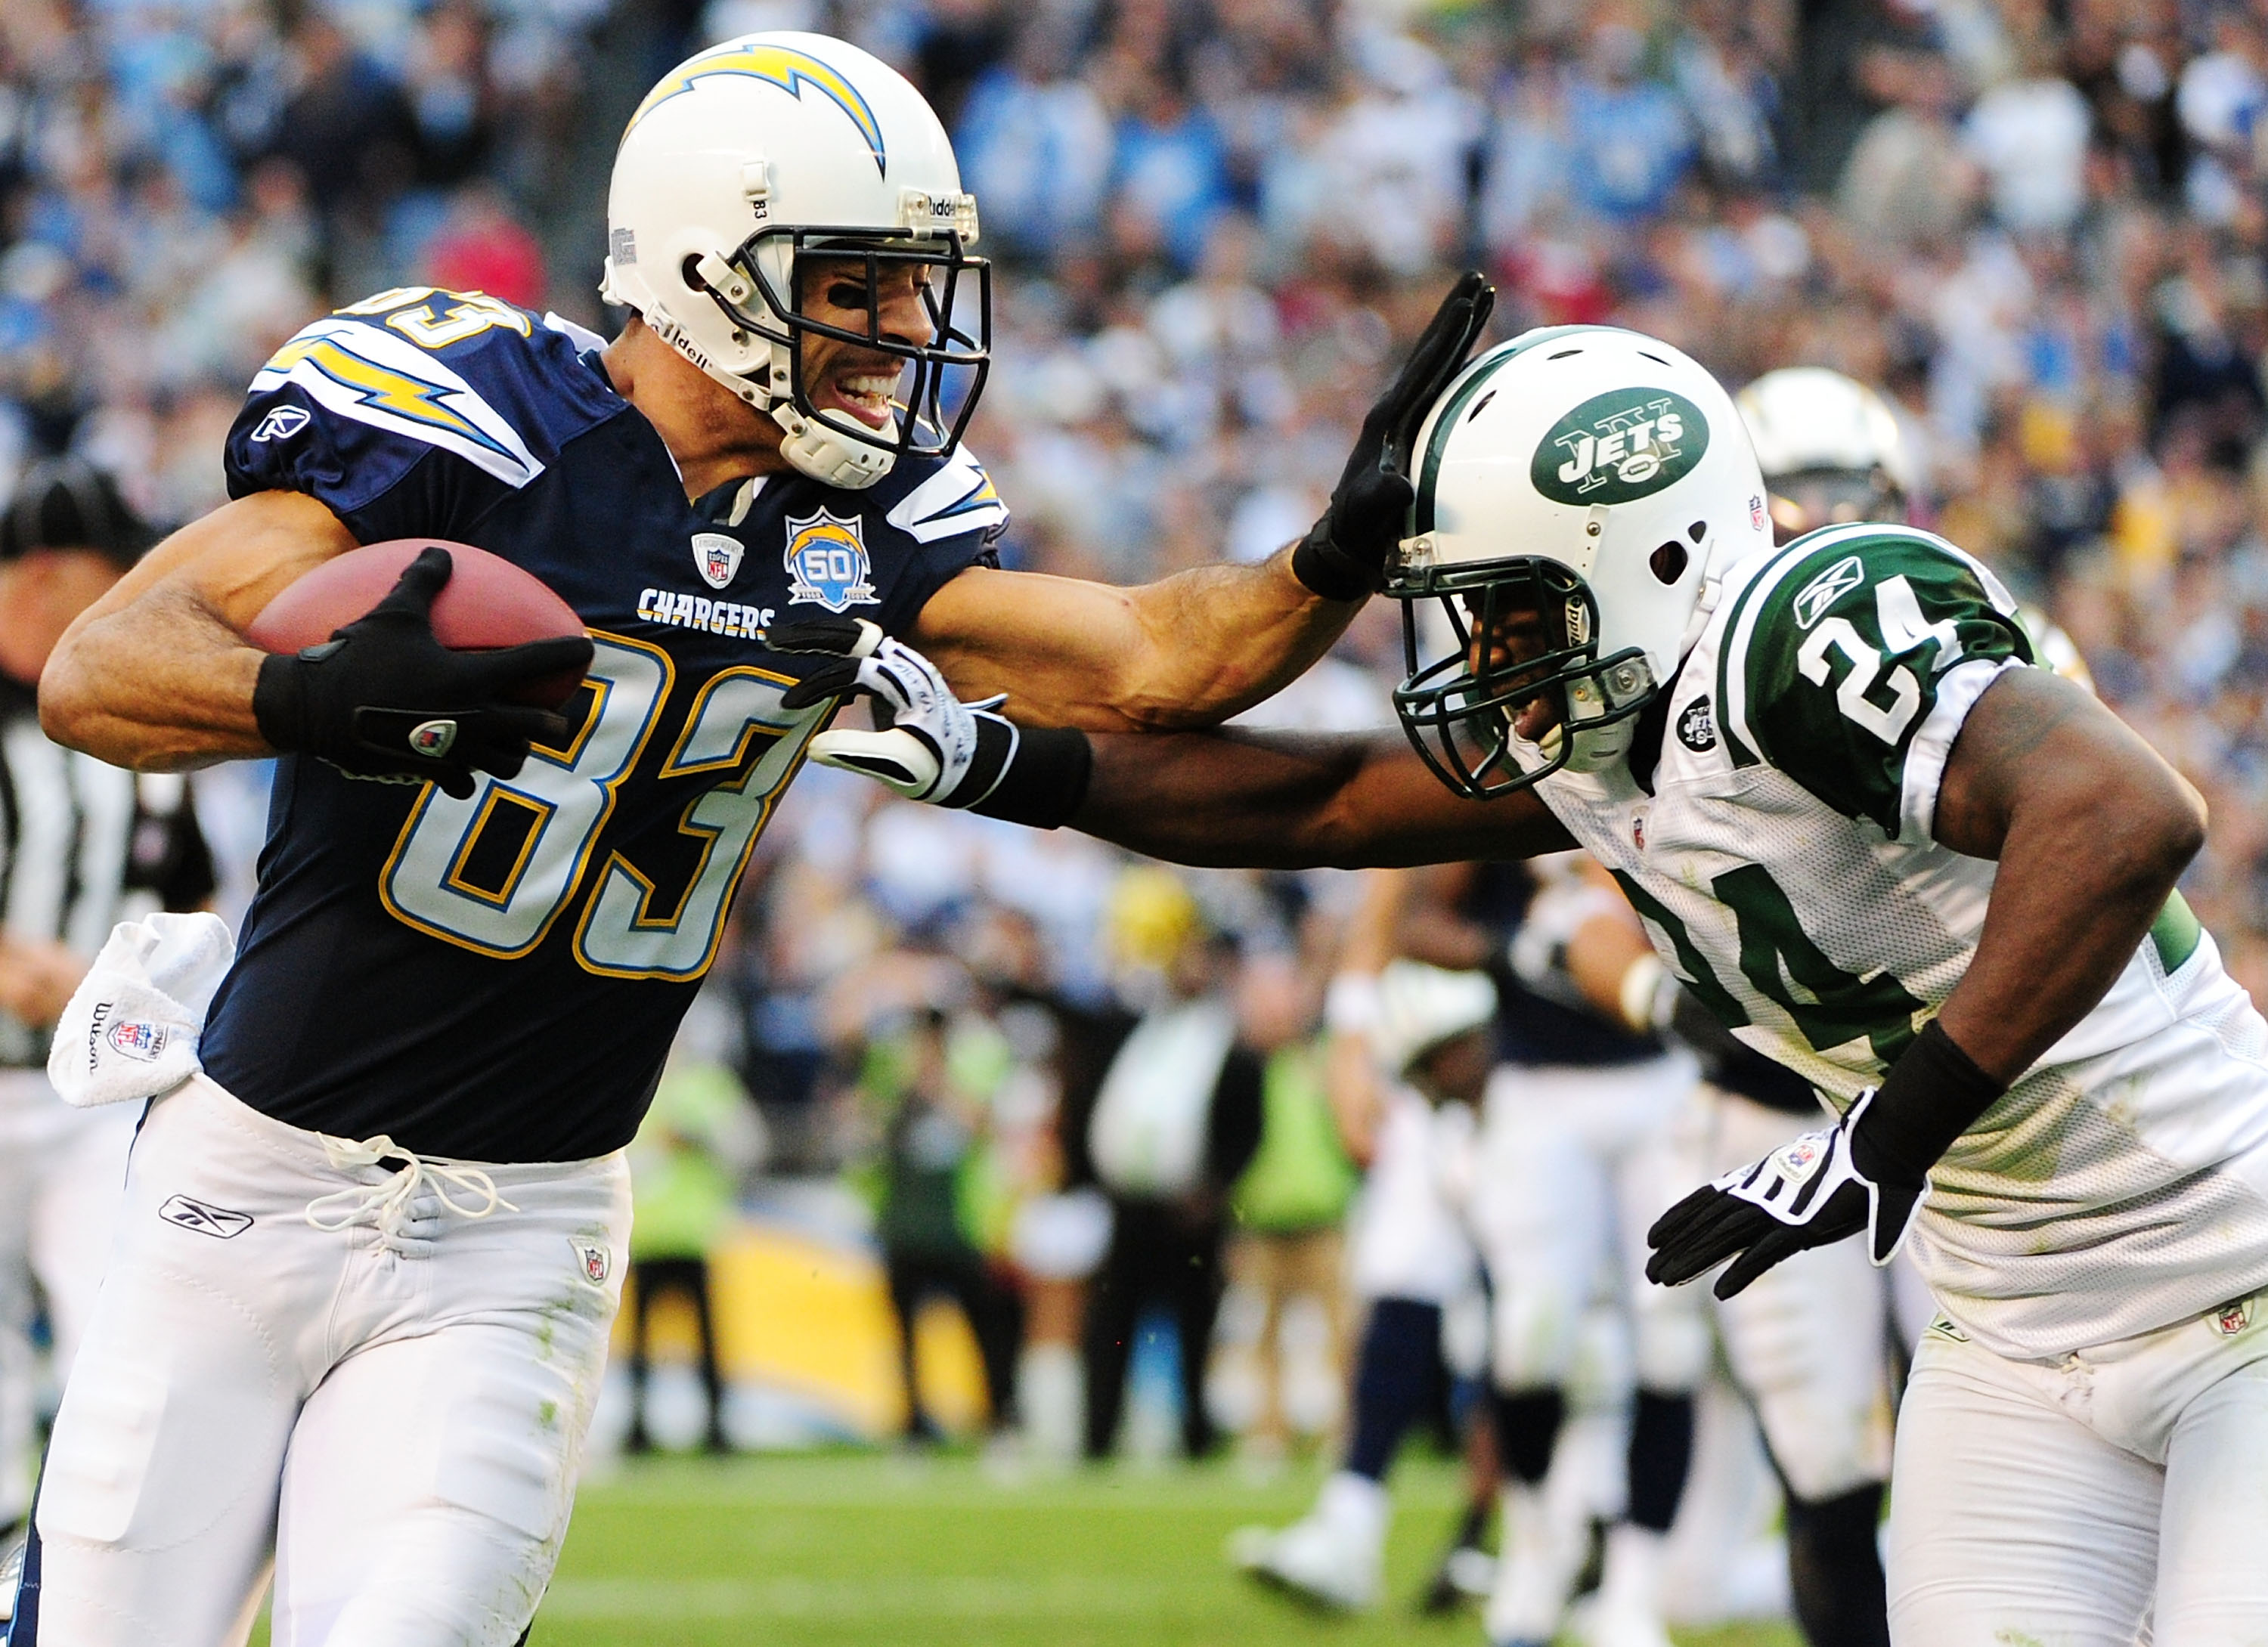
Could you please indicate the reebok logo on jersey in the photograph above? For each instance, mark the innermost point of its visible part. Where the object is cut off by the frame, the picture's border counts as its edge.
(1617, 447)
(827, 563)
(282, 423)
(594, 1260)
(1825, 590)
(717, 557)
(1696, 728)
(217, 1222)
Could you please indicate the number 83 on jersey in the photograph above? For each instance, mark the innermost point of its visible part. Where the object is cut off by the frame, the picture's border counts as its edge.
(495, 872)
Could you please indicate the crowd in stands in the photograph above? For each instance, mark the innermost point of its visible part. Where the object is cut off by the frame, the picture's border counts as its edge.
(2039, 225)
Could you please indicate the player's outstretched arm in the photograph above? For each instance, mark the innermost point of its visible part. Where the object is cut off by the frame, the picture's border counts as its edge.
(156, 674)
(1194, 649)
(1255, 800)
(1282, 800)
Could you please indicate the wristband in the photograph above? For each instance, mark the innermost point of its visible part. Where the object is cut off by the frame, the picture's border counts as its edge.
(1044, 777)
(1641, 997)
(279, 706)
(1933, 1094)
(1327, 569)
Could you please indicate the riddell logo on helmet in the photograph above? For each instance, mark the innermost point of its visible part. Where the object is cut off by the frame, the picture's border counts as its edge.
(1619, 447)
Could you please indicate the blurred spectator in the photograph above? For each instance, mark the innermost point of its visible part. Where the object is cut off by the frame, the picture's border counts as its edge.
(695, 1146)
(931, 1156)
(1175, 1122)
(1290, 1200)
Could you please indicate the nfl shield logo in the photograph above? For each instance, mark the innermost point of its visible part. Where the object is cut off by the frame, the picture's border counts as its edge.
(2233, 1317)
(1799, 1157)
(715, 557)
(144, 1041)
(594, 1259)
(827, 563)
(433, 738)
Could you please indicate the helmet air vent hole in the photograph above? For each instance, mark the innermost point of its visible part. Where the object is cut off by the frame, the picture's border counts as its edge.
(1480, 406)
(1563, 354)
(1669, 561)
(1695, 530)
(1656, 359)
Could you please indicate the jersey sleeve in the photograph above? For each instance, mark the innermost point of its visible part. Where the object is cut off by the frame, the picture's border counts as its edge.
(1853, 664)
(952, 519)
(414, 413)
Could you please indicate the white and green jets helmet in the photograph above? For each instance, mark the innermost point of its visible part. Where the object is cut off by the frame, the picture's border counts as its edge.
(1579, 492)
(1828, 447)
(751, 157)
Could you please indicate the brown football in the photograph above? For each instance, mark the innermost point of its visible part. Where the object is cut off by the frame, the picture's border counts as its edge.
(488, 603)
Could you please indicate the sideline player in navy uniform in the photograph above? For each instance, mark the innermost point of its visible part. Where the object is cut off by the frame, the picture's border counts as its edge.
(454, 997)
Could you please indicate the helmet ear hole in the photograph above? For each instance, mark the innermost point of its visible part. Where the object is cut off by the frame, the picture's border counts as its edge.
(1669, 561)
(689, 272)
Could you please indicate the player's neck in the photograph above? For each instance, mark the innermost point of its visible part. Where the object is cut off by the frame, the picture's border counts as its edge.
(713, 435)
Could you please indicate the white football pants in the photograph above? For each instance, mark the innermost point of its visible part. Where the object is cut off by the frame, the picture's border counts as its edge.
(2059, 1501)
(1808, 1340)
(62, 1175)
(1574, 1165)
(400, 1410)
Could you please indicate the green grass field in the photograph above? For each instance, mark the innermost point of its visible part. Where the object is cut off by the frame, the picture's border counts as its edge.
(936, 1552)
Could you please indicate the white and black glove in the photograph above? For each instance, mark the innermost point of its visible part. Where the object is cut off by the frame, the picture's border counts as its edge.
(1868, 1172)
(927, 745)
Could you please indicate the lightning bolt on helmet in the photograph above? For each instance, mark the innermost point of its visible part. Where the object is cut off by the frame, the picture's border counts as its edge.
(751, 158)
(1828, 447)
(1578, 493)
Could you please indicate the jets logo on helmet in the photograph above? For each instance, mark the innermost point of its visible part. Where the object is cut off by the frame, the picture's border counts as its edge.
(1620, 447)
(1581, 492)
(782, 66)
(756, 179)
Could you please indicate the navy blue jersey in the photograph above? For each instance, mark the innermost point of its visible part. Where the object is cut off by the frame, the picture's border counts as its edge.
(1533, 1029)
(499, 978)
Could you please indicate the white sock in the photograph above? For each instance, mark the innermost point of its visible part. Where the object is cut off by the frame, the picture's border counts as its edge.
(1051, 1393)
(1632, 1576)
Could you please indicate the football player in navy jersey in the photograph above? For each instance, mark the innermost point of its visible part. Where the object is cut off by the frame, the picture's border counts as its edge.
(454, 995)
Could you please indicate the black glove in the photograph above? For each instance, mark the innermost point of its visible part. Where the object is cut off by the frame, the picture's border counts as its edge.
(1345, 554)
(1870, 1172)
(383, 699)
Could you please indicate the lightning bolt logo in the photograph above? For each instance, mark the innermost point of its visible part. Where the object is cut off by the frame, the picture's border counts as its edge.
(385, 388)
(782, 66)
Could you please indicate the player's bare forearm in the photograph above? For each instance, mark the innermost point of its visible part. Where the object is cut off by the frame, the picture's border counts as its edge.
(1188, 650)
(1277, 800)
(2091, 829)
(156, 675)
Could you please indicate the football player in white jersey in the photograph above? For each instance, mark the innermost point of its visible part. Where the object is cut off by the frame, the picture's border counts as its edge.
(1885, 849)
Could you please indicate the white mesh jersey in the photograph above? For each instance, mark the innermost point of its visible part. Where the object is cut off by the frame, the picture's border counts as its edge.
(1785, 869)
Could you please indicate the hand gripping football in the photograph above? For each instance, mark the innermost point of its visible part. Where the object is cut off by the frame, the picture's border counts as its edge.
(488, 603)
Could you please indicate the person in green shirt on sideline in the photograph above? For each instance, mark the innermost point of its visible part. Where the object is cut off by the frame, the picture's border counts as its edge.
(1290, 1200)
(685, 1165)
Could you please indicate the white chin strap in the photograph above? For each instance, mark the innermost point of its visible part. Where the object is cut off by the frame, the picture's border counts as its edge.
(811, 444)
